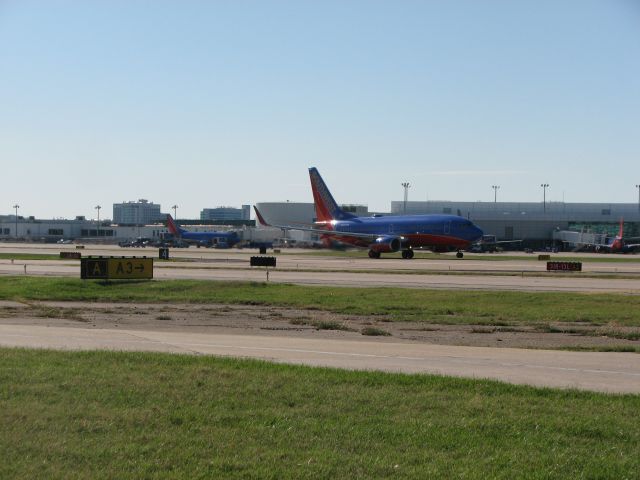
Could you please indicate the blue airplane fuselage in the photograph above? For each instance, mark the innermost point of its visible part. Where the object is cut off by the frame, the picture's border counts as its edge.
(444, 232)
(210, 238)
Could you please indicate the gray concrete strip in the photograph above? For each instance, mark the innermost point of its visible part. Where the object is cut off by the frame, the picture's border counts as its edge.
(596, 371)
(465, 282)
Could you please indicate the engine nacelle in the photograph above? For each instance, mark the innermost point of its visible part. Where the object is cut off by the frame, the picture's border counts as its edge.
(386, 244)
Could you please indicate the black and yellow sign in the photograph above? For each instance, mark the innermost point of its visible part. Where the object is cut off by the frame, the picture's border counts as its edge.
(112, 268)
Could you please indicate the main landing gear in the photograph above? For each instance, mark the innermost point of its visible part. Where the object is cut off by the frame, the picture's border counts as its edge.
(459, 254)
(406, 254)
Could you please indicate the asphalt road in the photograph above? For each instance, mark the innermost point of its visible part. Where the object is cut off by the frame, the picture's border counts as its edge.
(596, 371)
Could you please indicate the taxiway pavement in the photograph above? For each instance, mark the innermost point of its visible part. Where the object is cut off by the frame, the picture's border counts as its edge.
(596, 371)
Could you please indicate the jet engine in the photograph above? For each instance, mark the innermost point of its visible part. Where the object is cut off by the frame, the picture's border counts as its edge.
(386, 244)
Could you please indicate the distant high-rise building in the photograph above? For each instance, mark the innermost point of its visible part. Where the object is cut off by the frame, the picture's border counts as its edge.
(226, 213)
(141, 212)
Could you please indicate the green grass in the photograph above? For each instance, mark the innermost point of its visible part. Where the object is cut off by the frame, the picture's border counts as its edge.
(30, 256)
(467, 272)
(322, 324)
(142, 415)
(391, 304)
(603, 348)
(375, 332)
(598, 332)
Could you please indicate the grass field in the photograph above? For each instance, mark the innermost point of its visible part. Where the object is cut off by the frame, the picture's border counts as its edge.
(430, 306)
(140, 415)
(29, 256)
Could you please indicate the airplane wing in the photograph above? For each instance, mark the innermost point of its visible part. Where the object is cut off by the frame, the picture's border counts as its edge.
(588, 244)
(308, 228)
(498, 242)
(506, 241)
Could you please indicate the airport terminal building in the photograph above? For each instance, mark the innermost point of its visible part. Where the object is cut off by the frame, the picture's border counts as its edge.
(537, 224)
(533, 221)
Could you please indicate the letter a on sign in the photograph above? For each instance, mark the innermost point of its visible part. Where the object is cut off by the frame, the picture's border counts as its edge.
(96, 269)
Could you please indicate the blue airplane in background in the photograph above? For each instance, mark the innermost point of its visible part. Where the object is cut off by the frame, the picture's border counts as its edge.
(385, 234)
(207, 239)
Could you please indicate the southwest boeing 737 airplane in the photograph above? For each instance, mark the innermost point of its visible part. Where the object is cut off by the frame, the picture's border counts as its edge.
(209, 239)
(385, 234)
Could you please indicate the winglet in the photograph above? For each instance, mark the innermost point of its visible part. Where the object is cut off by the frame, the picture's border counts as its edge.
(260, 218)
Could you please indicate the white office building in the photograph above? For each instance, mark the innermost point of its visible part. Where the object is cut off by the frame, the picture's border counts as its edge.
(141, 212)
(226, 213)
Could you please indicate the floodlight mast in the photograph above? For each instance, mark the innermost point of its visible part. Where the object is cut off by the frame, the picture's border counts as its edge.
(406, 186)
(98, 207)
(544, 196)
(495, 192)
(16, 206)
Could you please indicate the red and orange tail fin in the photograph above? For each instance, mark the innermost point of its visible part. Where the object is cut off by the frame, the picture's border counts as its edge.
(260, 218)
(326, 207)
(171, 225)
(621, 231)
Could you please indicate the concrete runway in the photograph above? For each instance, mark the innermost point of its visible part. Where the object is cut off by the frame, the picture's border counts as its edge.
(596, 371)
(306, 260)
(303, 271)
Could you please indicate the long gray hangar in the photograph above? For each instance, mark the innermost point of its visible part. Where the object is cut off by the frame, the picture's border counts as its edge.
(384, 234)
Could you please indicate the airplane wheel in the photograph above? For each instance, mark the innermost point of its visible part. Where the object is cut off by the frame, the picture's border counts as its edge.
(459, 255)
(373, 254)
(407, 254)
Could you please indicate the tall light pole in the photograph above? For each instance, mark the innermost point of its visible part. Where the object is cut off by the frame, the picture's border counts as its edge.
(544, 196)
(175, 211)
(98, 207)
(16, 206)
(406, 186)
(638, 187)
(495, 192)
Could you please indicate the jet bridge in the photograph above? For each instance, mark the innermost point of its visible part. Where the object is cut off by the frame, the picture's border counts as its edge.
(579, 239)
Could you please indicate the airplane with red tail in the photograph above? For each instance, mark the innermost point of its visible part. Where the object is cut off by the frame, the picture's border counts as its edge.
(208, 239)
(617, 244)
(384, 234)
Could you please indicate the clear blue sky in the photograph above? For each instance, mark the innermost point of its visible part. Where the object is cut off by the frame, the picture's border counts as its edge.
(207, 103)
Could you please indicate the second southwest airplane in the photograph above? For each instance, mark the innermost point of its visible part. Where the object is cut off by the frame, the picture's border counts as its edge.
(385, 234)
(207, 239)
